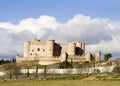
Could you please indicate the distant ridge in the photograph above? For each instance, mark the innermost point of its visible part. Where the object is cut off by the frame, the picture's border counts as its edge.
(7, 57)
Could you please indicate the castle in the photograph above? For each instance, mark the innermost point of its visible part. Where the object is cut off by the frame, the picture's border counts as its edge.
(50, 52)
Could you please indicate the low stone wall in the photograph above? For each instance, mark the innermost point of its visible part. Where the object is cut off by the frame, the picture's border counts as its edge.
(70, 71)
(66, 71)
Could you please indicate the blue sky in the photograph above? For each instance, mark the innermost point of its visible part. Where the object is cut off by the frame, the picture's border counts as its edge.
(95, 22)
(16, 10)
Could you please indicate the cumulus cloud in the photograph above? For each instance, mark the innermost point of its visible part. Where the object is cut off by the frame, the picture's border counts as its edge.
(98, 33)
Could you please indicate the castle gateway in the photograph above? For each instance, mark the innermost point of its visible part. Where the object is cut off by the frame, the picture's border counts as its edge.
(50, 52)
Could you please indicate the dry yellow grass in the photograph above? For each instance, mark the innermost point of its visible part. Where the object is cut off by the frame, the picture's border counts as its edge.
(58, 83)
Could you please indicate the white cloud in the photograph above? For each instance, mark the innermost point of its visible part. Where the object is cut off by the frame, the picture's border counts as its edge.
(98, 33)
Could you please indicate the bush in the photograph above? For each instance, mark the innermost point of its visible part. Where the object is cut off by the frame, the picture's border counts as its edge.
(116, 69)
(96, 71)
(65, 64)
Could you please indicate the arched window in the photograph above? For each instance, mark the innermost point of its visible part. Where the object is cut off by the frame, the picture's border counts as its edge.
(43, 50)
(38, 49)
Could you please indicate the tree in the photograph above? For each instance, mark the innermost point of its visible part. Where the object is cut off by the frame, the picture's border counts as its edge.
(36, 73)
(12, 69)
(28, 65)
(16, 70)
(71, 63)
(2, 61)
(116, 69)
(45, 71)
(107, 56)
(9, 68)
(28, 72)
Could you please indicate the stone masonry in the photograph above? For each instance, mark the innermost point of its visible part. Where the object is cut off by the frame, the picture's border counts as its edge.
(50, 52)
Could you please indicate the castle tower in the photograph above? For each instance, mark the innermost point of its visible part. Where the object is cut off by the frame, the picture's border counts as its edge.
(88, 57)
(83, 48)
(97, 56)
(26, 48)
(78, 48)
(71, 49)
(78, 44)
(50, 48)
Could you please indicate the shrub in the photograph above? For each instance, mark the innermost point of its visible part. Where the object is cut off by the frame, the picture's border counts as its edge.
(116, 69)
(96, 71)
(65, 64)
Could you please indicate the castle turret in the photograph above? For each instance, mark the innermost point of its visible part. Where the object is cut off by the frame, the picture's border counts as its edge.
(79, 51)
(78, 44)
(83, 48)
(88, 57)
(26, 48)
(97, 56)
(64, 56)
(50, 48)
(71, 49)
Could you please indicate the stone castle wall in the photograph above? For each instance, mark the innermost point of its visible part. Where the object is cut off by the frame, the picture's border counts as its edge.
(50, 48)
(49, 51)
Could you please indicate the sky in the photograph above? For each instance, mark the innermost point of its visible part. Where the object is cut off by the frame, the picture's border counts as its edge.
(95, 22)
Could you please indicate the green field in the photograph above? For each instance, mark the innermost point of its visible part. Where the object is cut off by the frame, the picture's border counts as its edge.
(58, 83)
